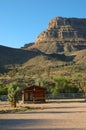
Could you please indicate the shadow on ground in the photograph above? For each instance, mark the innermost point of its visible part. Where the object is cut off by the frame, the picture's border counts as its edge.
(33, 124)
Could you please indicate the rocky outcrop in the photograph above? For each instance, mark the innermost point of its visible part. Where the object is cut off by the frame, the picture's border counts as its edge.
(62, 34)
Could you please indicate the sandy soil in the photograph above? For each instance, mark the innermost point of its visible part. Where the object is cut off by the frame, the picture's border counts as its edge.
(53, 116)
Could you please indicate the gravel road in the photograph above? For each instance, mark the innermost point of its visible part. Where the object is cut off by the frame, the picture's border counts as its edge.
(53, 116)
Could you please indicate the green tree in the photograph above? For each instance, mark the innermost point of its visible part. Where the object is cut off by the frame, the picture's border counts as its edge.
(3, 89)
(14, 91)
(40, 81)
(64, 85)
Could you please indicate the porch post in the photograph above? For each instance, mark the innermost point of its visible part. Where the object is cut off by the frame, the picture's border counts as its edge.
(23, 96)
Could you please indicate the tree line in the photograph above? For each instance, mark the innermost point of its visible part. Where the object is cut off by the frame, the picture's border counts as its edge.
(53, 86)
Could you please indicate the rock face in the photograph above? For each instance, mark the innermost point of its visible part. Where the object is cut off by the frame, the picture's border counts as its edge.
(65, 28)
(62, 35)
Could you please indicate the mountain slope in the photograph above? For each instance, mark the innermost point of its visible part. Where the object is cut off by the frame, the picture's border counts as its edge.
(15, 56)
(19, 56)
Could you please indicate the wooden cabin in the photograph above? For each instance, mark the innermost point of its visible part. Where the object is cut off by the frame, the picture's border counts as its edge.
(33, 94)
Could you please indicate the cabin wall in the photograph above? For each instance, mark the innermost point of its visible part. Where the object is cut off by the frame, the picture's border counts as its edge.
(33, 95)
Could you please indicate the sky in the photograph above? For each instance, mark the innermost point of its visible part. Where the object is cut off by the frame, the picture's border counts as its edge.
(21, 21)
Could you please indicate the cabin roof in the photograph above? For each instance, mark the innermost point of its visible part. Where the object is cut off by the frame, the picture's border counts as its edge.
(34, 87)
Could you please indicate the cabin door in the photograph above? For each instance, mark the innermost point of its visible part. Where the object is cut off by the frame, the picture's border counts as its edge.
(31, 96)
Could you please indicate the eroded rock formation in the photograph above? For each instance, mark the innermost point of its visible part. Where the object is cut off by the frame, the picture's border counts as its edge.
(63, 34)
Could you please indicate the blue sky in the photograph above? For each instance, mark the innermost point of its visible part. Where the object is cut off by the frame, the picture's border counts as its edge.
(21, 21)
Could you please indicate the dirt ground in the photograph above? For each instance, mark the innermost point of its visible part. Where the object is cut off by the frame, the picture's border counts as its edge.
(55, 115)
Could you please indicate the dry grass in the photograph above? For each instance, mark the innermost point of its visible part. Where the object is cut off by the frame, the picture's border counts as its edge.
(5, 107)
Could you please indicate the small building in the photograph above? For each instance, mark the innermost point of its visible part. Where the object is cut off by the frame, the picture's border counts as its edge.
(33, 94)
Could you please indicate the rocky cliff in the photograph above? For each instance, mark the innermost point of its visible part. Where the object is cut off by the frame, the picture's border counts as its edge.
(62, 35)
